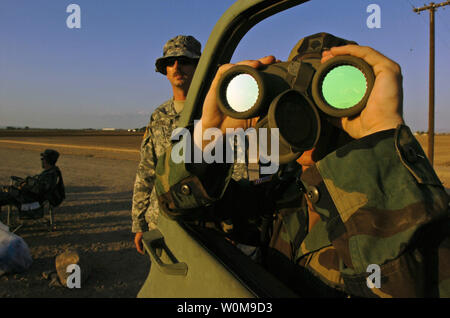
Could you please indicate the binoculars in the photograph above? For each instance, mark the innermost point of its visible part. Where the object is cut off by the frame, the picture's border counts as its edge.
(293, 96)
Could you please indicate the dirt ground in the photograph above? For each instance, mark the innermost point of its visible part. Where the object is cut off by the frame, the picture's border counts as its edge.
(441, 156)
(95, 217)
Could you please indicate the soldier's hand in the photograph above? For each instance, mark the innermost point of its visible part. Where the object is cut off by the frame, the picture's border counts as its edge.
(212, 117)
(138, 242)
(384, 106)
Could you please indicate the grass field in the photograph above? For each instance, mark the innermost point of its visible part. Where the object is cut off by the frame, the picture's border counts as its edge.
(64, 132)
(103, 145)
(441, 156)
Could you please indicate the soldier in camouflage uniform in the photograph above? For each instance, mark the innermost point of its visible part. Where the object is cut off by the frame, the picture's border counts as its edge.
(374, 200)
(33, 188)
(178, 63)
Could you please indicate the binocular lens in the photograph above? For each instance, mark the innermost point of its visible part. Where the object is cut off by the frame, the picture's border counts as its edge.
(344, 86)
(242, 92)
(293, 121)
(296, 119)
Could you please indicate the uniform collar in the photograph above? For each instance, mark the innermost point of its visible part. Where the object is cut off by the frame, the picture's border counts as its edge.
(170, 108)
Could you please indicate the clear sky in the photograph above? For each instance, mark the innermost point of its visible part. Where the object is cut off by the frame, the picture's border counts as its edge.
(103, 74)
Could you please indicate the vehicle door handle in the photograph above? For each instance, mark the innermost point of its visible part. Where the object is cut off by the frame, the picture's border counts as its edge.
(153, 242)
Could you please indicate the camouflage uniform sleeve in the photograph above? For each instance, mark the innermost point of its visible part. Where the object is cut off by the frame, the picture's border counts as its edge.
(40, 184)
(143, 185)
(31, 184)
(182, 187)
(383, 204)
(201, 191)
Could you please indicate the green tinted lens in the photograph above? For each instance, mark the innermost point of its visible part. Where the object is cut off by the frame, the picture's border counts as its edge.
(344, 86)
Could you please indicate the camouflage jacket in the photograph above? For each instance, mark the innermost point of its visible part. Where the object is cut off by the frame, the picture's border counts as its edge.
(379, 200)
(38, 186)
(156, 139)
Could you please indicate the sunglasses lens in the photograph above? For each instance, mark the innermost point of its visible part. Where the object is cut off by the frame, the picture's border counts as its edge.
(169, 62)
(181, 61)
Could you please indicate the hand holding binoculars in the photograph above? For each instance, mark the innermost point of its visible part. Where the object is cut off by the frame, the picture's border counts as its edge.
(293, 95)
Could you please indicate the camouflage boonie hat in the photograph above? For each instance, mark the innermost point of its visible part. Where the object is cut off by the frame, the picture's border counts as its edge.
(181, 45)
(50, 155)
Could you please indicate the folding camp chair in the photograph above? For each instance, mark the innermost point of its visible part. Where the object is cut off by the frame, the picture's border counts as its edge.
(33, 210)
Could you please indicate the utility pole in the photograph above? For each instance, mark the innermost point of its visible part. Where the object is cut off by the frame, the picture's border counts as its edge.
(432, 7)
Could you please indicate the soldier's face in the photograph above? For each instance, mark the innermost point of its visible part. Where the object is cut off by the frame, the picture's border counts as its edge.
(180, 73)
(306, 159)
(43, 163)
(323, 147)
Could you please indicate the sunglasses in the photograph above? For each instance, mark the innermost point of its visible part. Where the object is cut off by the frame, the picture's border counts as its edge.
(181, 61)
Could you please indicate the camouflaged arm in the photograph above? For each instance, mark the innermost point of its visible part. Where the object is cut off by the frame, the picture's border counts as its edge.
(143, 185)
(31, 185)
(377, 196)
(184, 189)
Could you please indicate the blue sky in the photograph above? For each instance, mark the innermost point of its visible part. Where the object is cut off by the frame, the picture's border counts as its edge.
(102, 75)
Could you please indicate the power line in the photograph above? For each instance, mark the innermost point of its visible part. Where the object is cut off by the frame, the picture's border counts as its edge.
(447, 44)
(423, 20)
(422, 17)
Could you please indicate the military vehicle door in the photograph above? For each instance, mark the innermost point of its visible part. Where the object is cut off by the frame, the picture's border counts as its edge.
(190, 261)
(193, 261)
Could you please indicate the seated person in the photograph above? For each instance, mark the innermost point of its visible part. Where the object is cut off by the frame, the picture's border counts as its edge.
(48, 185)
